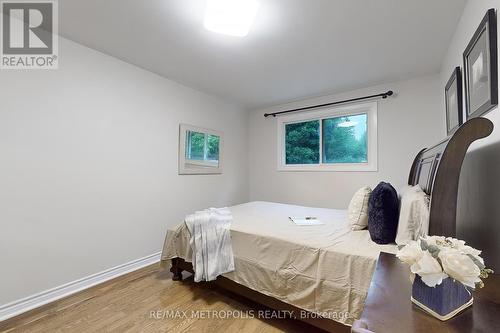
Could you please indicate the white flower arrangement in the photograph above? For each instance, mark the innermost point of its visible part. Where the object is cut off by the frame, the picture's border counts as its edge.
(435, 258)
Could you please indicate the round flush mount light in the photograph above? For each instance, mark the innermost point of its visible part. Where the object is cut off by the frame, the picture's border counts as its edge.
(230, 17)
(348, 123)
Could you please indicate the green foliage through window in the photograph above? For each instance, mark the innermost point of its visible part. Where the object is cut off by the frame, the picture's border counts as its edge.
(302, 142)
(344, 140)
(213, 147)
(196, 146)
(202, 146)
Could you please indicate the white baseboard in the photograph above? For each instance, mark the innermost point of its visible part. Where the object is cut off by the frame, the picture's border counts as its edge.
(31, 302)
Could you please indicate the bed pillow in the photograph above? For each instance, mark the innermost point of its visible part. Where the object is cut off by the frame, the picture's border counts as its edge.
(357, 213)
(383, 214)
(413, 215)
(403, 190)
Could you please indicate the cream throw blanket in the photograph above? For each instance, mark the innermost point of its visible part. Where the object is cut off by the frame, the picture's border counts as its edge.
(210, 241)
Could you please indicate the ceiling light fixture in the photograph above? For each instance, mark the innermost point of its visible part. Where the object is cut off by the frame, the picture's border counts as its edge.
(230, 17)
(348, 123)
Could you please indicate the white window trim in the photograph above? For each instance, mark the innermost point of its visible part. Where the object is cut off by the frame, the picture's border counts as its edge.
(198, 167)
(371, 111)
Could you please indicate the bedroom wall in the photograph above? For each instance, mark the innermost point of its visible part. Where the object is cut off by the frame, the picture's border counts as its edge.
(407, 122)
(478, 218)
(88, 167)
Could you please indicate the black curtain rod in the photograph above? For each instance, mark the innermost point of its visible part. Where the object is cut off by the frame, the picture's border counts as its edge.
(383, 95)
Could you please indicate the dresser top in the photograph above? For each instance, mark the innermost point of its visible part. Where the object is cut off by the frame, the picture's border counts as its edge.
(388, 307)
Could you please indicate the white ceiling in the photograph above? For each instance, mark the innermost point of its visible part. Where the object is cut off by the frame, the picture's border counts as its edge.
(295, 49)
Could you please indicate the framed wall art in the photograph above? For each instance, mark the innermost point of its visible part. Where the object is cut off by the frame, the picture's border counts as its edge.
(481, 68)
(453, 99)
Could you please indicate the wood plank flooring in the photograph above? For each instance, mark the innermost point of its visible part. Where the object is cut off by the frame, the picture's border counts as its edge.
(149, 301)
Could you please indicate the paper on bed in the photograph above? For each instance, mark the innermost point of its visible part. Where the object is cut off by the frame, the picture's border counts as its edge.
(305, 221)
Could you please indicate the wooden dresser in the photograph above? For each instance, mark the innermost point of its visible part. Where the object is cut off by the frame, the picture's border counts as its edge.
(388, 307)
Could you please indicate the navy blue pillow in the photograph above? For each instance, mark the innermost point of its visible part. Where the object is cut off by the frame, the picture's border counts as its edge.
(383, 214)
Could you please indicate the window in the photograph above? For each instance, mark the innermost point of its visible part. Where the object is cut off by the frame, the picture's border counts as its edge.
(199, 150)
(302, 142)
(344, 139)
(339, 139)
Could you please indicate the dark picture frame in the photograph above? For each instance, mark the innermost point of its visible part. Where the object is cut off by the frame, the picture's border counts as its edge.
(454, 101)
(481, 68)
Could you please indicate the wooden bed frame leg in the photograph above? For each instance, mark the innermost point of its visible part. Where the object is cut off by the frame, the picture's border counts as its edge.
(176, 269)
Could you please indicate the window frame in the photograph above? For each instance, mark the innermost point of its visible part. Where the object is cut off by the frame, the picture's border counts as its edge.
(370, 109)
(198, 167)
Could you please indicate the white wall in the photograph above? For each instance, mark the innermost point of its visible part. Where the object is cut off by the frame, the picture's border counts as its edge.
(88, 167)
(478, 219)
(407, 122)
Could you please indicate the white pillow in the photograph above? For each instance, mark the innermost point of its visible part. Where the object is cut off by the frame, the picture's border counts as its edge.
(403, 190)
(357, 213)
(413, 215)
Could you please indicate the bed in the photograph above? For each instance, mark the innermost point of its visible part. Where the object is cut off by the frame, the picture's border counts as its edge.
(310, 267)
(322, 273)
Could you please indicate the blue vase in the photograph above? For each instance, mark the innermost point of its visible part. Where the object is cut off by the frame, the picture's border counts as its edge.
(444, 301)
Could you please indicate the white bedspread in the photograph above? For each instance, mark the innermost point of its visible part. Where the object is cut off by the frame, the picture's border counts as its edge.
(325, 269)
(210, 242)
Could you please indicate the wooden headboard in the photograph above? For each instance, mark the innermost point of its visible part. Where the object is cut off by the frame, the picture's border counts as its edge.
(437, 171)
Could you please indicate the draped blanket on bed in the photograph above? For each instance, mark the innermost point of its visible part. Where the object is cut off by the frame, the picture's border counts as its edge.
(210, 242)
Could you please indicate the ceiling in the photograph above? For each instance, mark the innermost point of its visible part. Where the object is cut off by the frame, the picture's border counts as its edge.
(295, 49)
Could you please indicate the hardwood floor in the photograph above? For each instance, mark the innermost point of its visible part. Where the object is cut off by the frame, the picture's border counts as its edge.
(149, 301)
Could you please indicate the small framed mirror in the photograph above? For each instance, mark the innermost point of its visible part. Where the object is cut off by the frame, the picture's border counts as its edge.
(200, 150)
